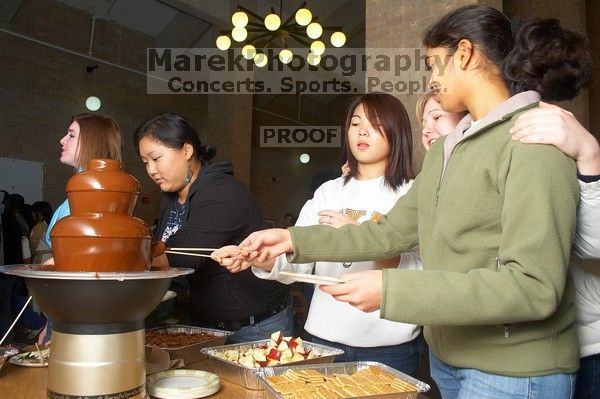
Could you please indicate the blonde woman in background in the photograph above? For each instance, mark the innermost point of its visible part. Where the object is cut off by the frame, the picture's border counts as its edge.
(89, 136)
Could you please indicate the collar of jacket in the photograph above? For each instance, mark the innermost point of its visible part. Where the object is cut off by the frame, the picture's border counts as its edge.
(503, 112)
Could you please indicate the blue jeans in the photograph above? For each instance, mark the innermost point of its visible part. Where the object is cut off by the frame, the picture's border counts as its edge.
(463, 383)
(588, 378)
(403, 357)
(282, 321)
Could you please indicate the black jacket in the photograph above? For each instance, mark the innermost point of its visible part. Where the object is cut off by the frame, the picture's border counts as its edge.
(222, 211)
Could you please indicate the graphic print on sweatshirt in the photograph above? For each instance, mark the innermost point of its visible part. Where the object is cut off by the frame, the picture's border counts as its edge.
(175, 221)
(354, 215)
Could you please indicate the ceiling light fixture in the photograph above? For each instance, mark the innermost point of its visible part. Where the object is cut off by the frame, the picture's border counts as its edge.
(255, 33)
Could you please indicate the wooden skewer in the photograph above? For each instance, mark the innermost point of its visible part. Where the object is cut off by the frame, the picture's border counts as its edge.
(39, 353)
(193, 249)
(15, 322)
(187, 253)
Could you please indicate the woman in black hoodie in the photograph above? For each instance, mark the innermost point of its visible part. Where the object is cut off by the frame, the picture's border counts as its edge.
(204, 206)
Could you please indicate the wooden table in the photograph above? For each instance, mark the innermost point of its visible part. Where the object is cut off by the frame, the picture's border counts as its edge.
(18, 382)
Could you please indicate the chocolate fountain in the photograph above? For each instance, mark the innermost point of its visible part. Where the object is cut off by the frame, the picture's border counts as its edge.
(100, 289)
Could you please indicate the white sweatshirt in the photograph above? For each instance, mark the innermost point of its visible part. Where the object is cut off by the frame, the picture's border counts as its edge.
(587, 285)
(331, 319)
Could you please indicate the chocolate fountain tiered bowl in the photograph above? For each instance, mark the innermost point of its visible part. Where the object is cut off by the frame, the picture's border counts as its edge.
(100, 289)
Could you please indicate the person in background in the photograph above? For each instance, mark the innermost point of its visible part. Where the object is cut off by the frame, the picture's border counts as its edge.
(495, 233)
(14, 228)
(89, 136)
(11, 247)
(19, 211)
(42, 214)
(434, 120)
(379, 152)
(204, 206)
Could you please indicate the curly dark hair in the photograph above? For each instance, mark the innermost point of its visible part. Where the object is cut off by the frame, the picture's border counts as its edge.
(548, 59)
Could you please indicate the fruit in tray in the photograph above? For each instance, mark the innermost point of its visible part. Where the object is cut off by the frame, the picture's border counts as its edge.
(278, 350)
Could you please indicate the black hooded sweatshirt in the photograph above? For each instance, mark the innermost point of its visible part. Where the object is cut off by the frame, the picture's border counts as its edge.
(221, 211)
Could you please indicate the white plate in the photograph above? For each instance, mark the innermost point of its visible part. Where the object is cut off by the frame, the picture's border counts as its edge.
(30, 359)
(182, 384)
(312, 278)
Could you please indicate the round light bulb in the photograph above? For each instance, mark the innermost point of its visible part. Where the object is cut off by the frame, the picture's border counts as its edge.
(338, 39)
(313, 59)
(260, 59)
(303, 16)
(239, 34)
(248, 51)
(285, 56)
(304, 158)
(223, 42)
(93, 103)
(314, 30)
(272, 22)
(317, 47)
(239, 19)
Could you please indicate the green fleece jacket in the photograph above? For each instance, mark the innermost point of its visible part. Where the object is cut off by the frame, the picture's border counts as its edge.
(494, 220)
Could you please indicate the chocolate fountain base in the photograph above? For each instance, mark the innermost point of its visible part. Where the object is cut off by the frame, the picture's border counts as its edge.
(98, 319)
(108, 366)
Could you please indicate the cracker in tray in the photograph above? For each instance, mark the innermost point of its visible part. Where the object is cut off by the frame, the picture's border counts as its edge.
(309, 383)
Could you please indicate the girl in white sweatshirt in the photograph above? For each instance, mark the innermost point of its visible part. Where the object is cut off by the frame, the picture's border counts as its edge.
(379, 153)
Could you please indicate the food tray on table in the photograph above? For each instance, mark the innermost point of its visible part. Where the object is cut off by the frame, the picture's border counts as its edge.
(246, 376)
(372, 377)
(185, 348)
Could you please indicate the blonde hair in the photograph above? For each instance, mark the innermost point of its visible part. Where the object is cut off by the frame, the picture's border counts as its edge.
(99, 137)
(420, 107)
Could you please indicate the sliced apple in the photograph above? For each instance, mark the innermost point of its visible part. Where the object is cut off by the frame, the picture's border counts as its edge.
(277, 336)
(282, 346)
(259, 356)
(286, 353)
(274, 354)
(297, 357)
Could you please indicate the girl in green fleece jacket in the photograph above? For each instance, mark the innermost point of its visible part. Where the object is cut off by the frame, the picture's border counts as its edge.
(494, 219)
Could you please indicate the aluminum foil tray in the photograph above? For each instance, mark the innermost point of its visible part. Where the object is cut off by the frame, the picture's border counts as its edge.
(341, 368)
(246, 376)
(191, 353)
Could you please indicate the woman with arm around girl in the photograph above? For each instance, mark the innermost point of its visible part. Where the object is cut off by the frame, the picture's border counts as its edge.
(495, 234)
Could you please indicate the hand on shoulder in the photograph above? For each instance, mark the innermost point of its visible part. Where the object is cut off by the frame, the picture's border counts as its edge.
(550, 124)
